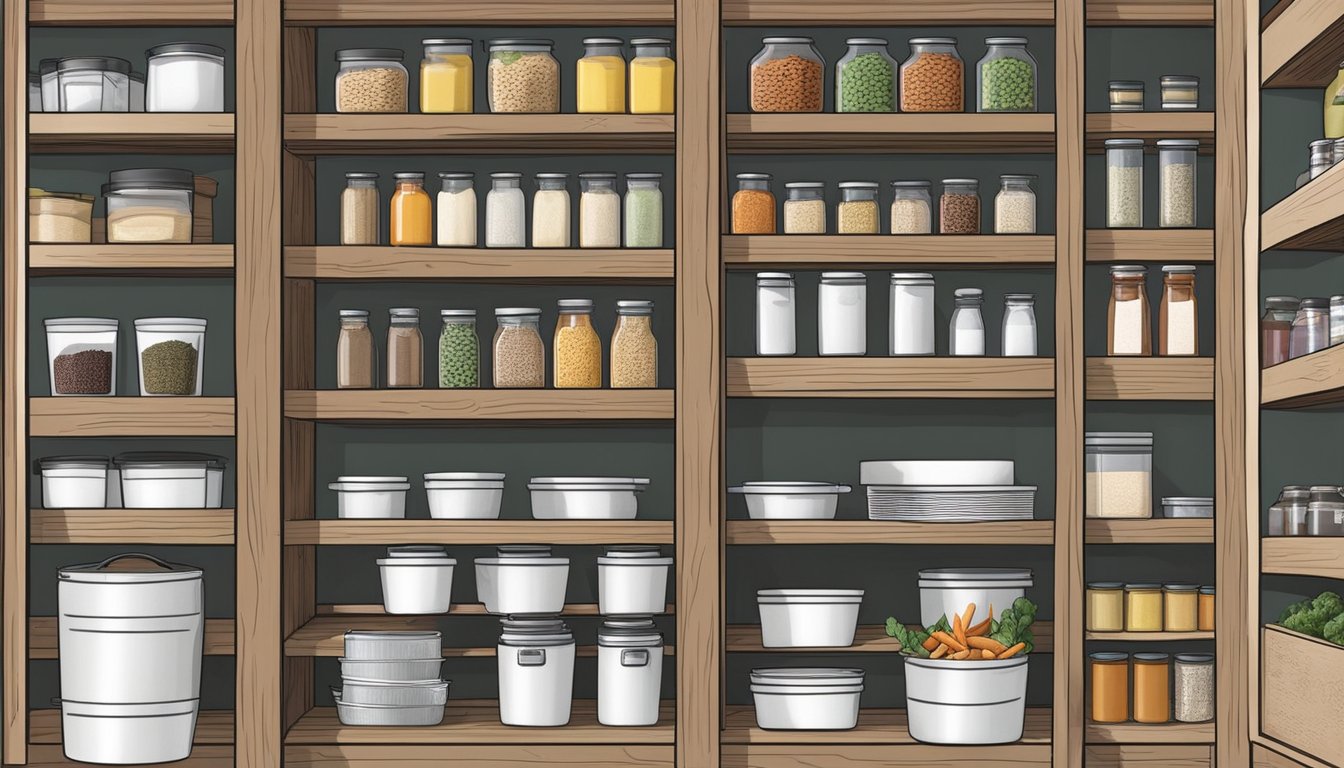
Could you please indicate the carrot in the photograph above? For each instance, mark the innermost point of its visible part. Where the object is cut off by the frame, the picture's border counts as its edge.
(959, 655)
(929, 643)
(988, 654)
(958, 630)
(986, 644)
(1011, 652)
(949, 641)
(983, 627)
(939, 652)
(967, 616)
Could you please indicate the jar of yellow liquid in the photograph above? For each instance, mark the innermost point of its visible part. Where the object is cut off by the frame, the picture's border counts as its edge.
(411, 221)
(601, 75)
(446, 76)
(653, 77)
(1334, 106)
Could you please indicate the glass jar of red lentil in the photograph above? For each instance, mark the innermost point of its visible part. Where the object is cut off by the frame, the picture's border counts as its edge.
(786, 76)
(933, 79)
(753, 205)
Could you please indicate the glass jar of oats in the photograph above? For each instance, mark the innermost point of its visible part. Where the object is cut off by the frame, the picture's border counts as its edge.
(804, 208)
(519, 355)
(371, 80)
(1118, 470)
(911, 208)
(523, 76)
(578, 350)
(634, 350)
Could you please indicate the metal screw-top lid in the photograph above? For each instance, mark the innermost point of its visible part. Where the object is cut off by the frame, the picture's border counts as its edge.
(151, 178)
(1194, 658)
(370, 54)
(1129, 269)
(932, 41)
(643, 176)
(1124, 143)
(360, 175)
(1019, 298)
(456, 175)
(575, 306)
(1179, 269)
(1314, 303)
(770, 278)
(457, 313)
(1109, 656)
(961, 182)
(171, 48)
(805, 185)
(1005, 41)
(968, 297)
(406, 312)
(912, 184)
(516, 311)
(754, 177)
(517, 42)
(1126, 85)
(1118, 438)
(787, 40)
(911, 278)
(1282, 302)
(1106, 585)
(1179, 80)
(857, 185)
(409, 176)
(844, 277)
(634, 307)
(99, 63)
(434, 41)
(603, 41)
(1177, 143)
(354, 313)
(655, 41)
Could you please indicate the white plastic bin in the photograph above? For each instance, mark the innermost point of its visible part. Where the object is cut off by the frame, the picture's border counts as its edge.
(464, 495)
(82, 356)
(417, 585)
(966, 702)
(808, 618)
(73, 482)
(167, 480)
(370, 497)
(170, 355)
(127, 734)
(632, 581)
(586, 498)
(807, 698)
(522, 580)
(629, 673)
(792, 500)
(536, 672)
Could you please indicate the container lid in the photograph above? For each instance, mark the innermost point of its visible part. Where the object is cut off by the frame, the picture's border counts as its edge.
(857, 185)
(59, 322)
(1126, 85)
(519, 631)
(634, 307)
(406, 312)
(975, 574)
(456, 175)
(1118, 438)
(98, 63)
(140, 568)
(1105, 585)
(1143, 586)
(629, 634)
(650, 41)
(597, 175)
(1194, 658)
(1019, 298)
(149, 323)
(370, 479)
(865, 41)
(1181, 587)
(505, 42)
(160, 458)
(932, 41)
(506, 175)
(961, 182)
(1123, 143)
(849, 594)
(492, 476)
(589, 480)
(603, 41)
(1282, 302)
(1005, 41)
(1207, 590)
(804, 185)
(370, 54)
(643, 176)
(70, 462)
(354, 313)
(766, 487)
(807, 675)
(769, 40)
(1177, 143)
(523, 550)
(1179, 80)
(968, 293)
(911, 278)
(1017, 177)
(843, 277)
(1314, 303)
(37, 194)
(409, 175)
(393, 635)
(1337, 300)
(47, 66)
(912, 184)
(1109, 656)
(360, 175)
(757, 176)
(171, 48)
(1188, 501)
(417, 551)
(516, 311)
(457, 313)
(1149, 658)
(34, 78)
(1129, 269)
(581, 306)
(1179, 269)
(150, 178)
(1322, 143)
(417, 562)
(633, 552)
(446, 41)
(551, 175)
(774, 276)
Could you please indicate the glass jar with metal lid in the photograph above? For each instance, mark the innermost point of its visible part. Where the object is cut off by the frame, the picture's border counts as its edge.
(550, 211)
(519, 356)
(1015, 205)
(1276, 328)
(185, 77)
(804, 208)
(1194, 687)
(1325, 518)
(1005, 79)
(959, 207)
(405, 348)
(1152, 687)
(1143, 607)
(1288, 514)
(599, 211)
(356, 361)
(643, 206)
(1176, 182)
(359, 209)
(912, 313)
(411, 219)
(1180, 611)
(842, 314)
(1124, 183)
(1180, 92)
(1110, 687)
(1178, 315)
(933, 78)
(1311, 327)
(600, 76)
(94, 84)
(1126, 95)
(505, 211)
(455, 209)
(446, 76)
(149, 205)
(865, 77)
(459, 350)
(857, 212)
(634, 350)
(1320, 158)
(523, 76)
(776, 323)
(1019, 325)
(911, 208)
(1118, 474)
(653, 77)
(1207, 616)
(753, 205)
(1105, 606)
(966, 331)
(1128, 328)
(577, 347)
(371, 80)
(786, 76)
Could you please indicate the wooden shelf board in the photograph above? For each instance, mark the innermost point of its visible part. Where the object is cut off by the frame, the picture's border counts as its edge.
(879, 13)
(1140, 733)
(1321, 556)
(337, 134)
(42, 632)
(1169, 124)
(130, 416)
(746, 638)
(1309, 219)
(1168, 246)
(1025, 532)
(1303, 45)
(882, 251)
(364, 13)
(1315, 379)
(1150, 13)
(553, 405)
(202, 756)
(113, 133)
(821, 133)
(1269, 753)
(130, 260)
(934, 377)
(1148, 637)
(887, 728)
(213, 726)
(130, 13)
(589, 265)
(325, 636)
(459, 609)
(1157, 530)
(131, 526)
(1149, 378)
(474, 532)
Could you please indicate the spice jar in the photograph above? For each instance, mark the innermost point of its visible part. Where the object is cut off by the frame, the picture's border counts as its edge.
(634, 350)
(865, 77)
(523, 76)
(959, 208)
(842, 314)
(1180, 92)
(359, 209)
(1311, 328)
(94, 84)
(1336, 319)
(519, 355)
(1127, 319)
(1194, 687)
(578, 350)
(59, 217)
(405, 348)
(184, 77)
(459, 350)
(82, 355)
(1118, 474)
(371, 80)
(804, 208)
(1015, 205)
(911, 208)
(912, 313)
(1152, 683)
(1180, 611)
(149, 205)
(1126, 95)
(1288, 515)
(600, 75)
(457, 209)
(775, 311)
(1178, 320)
(1124, 183)
(786, 76)
(1019, 325)
(753, 205)
(653, 77)
(1005, 79)
(356, 363)
(1143, 607)
(966, 335)
(857, 212)
(1176, 182)
(1207, 619)
(1276, 327)
(599, 211)
(412, 219)
(1110, 687)
(171, 355)
(1105, 606)
(1320, 158)
(505, 220)
(643, 210)
(933, 79)
(446, 79)
(550, 211)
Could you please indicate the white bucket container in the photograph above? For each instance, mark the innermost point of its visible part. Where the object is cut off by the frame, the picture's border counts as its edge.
(82, 356)
(127, 734)
(629, 673)
(414, 585)
(807, 698)
(800, 500)
(370, 498)
(966, 702)
(149, 480)
(73, 482)
(464, 495)
(162, 379)
(808, 618)
(632, 581)
(947, 591)
(522, 581)
(536, 672)
(586, 498)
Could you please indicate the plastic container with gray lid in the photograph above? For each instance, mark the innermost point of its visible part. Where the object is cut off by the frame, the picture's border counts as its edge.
(164, 480)
(73, 482)
(1187, 506)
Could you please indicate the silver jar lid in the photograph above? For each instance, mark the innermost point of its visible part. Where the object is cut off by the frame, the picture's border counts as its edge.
(1124, 143)
(1179, 269)
(1129, 269)
(634, 307)
(633, 633)
(911, 278)
(1118, 438)
(787, 40)
(575, 306)
(844, 278)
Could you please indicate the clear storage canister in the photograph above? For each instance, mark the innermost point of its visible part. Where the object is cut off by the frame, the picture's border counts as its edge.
(599, 211)
(371, 80)
(1127, 318)
(1176, 182)
(1288, 514)
(786, 76)
(804, 208)
(1005, 79)
(775, 314)
(753, 205)
(966, 331)
(634, 350)
(59, 217)
(1019, 325)
(1325, 518)
(1320, 158)
(446, 76)
(1178, 316)
(1276, 328)
(1143, 607)
(653, 77)
(550, 211)
(519, 355)
(842, 314)
(1118, 474)
(1180, 92)
(1126, 95)
(578, 349)
(1336, 320)
(356, 360)
(1105, 606)
(1015, 205)
(911, 208)
(94, 84)
(600, 76)
(405, 348)
(933, 78)
(523, 76)
(505, 218)
(643, 210)
(185, 77)
(359, 209)
(82, 355)
(411, 220)
(857, 212)
(456, 215)
(865, 77)
(959, 207)
(51, 84)
(1311, 328)
(912, 313)
(170, 354)
(1194, 687)
(149, 205)
(1124, 183)
(459, 350)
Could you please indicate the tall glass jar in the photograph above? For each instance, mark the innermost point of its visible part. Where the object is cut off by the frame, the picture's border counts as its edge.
(933, 79)
(371, 80)
(1152, 686)
(356, 363)
(1124, 183)
(966, 333)
(459, 350)
(599, 211)
(1110, 687)
(1311, 328)
(600, 75)
(911, 208)
(912, 313)
(653, 77)
(446, 80)
(577, 347)
(775, 314)
(523, 76)
(1176, 182)
(804, 208)
(865, 77)
(359, 209)
(1015, 205)
(505, 216)
(1118, 476)
(405, 348)
(1128, 318)
(94, 84)
(857, 212)
(1019, 325)
(1005, 79)
(519, 356)
(842, 314)
(1194, 687)
(634, 350)
(786, 76)
(1276, 328)
(959, 208)
(1288, 514)
(412, 219)
(550, 211)
(1178, 318)
(643, 210)
(753, 205)
(457, 209)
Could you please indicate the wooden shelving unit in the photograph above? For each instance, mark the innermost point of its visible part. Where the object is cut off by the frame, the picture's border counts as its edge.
(327, 134)
(742, 252)
(860, 133)
(1154, 531)
(1315, 379)
(1141, 733)
(859, 12)
(1127, 246)
(131, 526)
(131, 260)
(1151, 126)
(1309, 219)
(746, 638)
(131, 416)
(553, 405)
(137, 13)
(336, 262)
(1321, 556)
(1026, 532)
(131, 133)
(468, 532)
(1151, 13)
(1300, 46)
(981, 377)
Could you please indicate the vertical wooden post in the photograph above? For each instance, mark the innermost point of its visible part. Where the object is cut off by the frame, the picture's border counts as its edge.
(1250, 321)
(257, 365)
(699, 430)
(1070, 32)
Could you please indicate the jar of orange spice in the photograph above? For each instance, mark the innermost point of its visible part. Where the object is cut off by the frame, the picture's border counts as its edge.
(786, 76)
(753, 205)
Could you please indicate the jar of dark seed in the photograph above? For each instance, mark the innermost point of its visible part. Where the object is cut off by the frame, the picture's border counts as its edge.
(959, 208)
(82, 353)
(170, 355)
(459, 350)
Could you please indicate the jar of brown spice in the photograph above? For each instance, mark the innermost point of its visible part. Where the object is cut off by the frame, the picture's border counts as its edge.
(405, 348)
(959, 208)
(355, 361)
(933, 79)
(786, 76)
(753, 205)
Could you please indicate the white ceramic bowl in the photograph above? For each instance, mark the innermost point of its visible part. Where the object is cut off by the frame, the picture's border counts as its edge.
(800, 500)
(936, 472)
(966, 702)
(464, 495)
(808, 618)
(416, 585)
(586, 498)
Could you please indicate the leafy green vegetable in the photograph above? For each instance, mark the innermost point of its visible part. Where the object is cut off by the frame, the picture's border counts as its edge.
(912, 641)
(1334, 630)
(1011, 627)
(506, 57)
(1311, 617)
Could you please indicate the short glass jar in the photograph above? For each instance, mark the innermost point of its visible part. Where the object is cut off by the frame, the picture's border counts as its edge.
(1178, 314)
(1015, 205)
(184, 77)
(371, 80)
(787, 75)
(842, 314)
(857, 212)
(911, 208)
(600, 76)
(456, 209)
(447, 76)
(1105, 606)
(518, 354)
(411, 221)
(1124, 183)
(1180, 92)
(653, 77)
(634, 349)
(94, 84)
(149, 205)
(505, 211)
(966, 330)
(1118, 475)
(1128, 324)
(1194, 687)
(776, 310)
(865, 77)
(577, 348)
(459, 350)
(933, 78)
(753, 205)
(523, 76)
(1288, 514)
(1336, 319)
(1180, 611)
(550, 211)
(1126, 95)
(1143, 607)
(1176, 182)
(82, 356)
(1276, 328)
(959, 207)
(804, 208)
(599, 211)
(1019, 325)
(356, 359)
(643, 207)
(1005, 79)
(359, 209)
(1311, 328)
(405, 348)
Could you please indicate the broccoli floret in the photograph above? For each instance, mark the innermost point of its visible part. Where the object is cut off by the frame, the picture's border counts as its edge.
(1294, 609)
(1328, 602)
(1319, 612)
(1334, 630)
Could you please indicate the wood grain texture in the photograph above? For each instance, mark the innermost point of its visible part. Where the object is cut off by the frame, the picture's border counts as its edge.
(1302, 687)
(1148, 756)
(205, 756)
(1250, 321)
(939, 377)
(335, 134)
(889, 728)
(1139, 245)
(1315, 379)
(563, 405)
(131, 416)
(335, 262)
(325, 636)
(331, 13)
(878, 251)
(1149, 637)
(1150, 13)
(131, 260)
(852, 133)
(213, 726)
(867, 12)
(1171, 124)
(1303, 556)
(1140, 733)
(459, 609)
(1040, 532)
(104, 133)
(746, 638)
(1155, 531)
(1309, 219)
(481, 756)
(42, 636)
(300, 175)
(136, 13)
(467, 532)
(1271, 754)
(882, 756)
(1150, 378)
(1303, 45)
(131, 526)
(300, 75)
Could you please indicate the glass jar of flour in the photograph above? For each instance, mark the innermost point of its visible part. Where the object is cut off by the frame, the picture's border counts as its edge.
(1019, 325)
(775, 314)
(842, 316)
(1118, 474)
(911, 313)
(185, 77)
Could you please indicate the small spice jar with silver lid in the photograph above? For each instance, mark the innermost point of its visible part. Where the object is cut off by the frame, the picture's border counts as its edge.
(1126, 95)
(775, 314)
(1194, 687)
(1019, 325)
(842, 314)
(966, 334)
(804, 208)
(1180, 92)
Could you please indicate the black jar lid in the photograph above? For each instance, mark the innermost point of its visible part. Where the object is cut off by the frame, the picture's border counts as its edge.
(185, 47)
(150, 178)
(99, 63)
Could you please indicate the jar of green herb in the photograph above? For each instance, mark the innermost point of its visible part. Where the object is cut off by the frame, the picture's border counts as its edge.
(865, 78)
(1006, 77)
(459, 350)
(643, 210)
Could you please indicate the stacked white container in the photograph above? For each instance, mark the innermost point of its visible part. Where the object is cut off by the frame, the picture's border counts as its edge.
(391, 678)
(586, 498)
(166, 480)
(522, 580)
(629, 672)
(417, 580)
(73, 482)
(536, 671)
(368, 497)
(464, 495)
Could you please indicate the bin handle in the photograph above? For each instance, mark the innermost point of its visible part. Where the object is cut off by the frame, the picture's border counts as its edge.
(532, 657)
(634, 657)
(140, 555)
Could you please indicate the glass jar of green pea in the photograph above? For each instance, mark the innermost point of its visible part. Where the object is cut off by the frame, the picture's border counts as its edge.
(865, 78)
(459, 350)
(1005, 79)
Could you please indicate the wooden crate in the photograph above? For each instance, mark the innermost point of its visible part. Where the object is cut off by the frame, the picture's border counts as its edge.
(1302, 685)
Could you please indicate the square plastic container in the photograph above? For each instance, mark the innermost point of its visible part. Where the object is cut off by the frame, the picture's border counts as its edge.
(73, 482)
(166, 480)
(1187, 506)
(1118, 469)
(372, 498)
(170, 355)
(82, 356)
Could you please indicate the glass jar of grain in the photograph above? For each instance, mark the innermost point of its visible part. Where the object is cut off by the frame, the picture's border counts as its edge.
(459, 350)
(359, 209)
(1118, 474)
(405, 348)
(356, 363)
(577, 348)
(753, 205)
(1127, 318)
(1015, 205)
(634, 350)
(1176, 176)
(523, 76)
(1180, 607)
(911, 208)
(1178, 318)
(550, 211)
(371, 80)
(1124, 183)
(1194, 687)
(599, 211)
(520, 357)
(857, 212)
(804, 208)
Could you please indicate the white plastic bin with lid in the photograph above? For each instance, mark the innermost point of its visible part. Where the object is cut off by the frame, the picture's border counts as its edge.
(808, 618)
(586, 498)
(170, 355)
(370, 497)
(632, 581)
(807, 698)
(82, 355)
(419, 584)
(94, 84)
(776, 314)
(629, 672)
(536, 672)
(464, 495)
(185, 77)
(392, 645)
(842, 314)
(522, 579)
(947, 591)
(73, 482)
(150, 205)
(912, 312)
(131, 641)
(966, 702)
(159, 480)
(790, 500)
(1118, 474)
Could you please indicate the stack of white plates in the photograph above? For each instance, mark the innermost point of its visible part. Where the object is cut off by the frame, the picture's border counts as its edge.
(391, 678)
(951, 503)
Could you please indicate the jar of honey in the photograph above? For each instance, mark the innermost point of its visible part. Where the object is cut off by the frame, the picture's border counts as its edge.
(1152, 687)
(412, 217)
(1143, 607)
(1105, 606)
(1110, 687)
(1206, 615)
(1181, 607)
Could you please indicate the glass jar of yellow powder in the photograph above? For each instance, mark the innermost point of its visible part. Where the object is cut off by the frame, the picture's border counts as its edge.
(446, 76)
(601, 75)
(1181, 611)
(577, 348)
(412, 216)
(1105, 606)
(653, 77)
(1143, 607)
